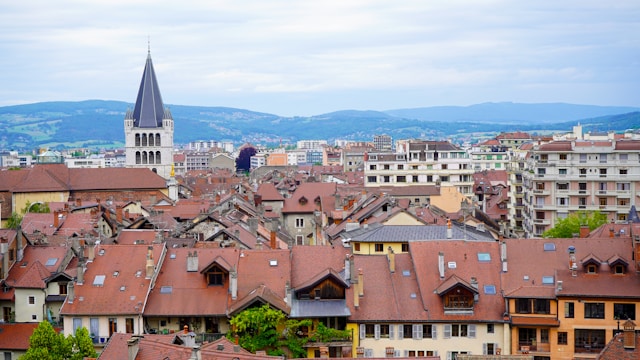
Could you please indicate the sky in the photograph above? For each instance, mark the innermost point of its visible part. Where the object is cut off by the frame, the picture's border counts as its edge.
(302, 57)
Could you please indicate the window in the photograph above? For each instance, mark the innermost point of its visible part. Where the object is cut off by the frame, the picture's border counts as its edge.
(490, 289)
(400, 167)
(371, 179)
(356, 246)
(383, 331)
(544, 336)
(215, 276)
(583, 158)
(299, 222)
(379, 247)
(401, 179)
(32, 300)
(562, 186)
(594, 310)
(386, 167)
(427, 332)
(62, 289)
(568, 310)
(589, 340)
(563, 157)
(405, 247)
(547, 280)
(562, 338)
(369, 330)
(484, 257)
(129, 325)
(414, 178)
(489, 348)
(623, 157)
(490, 329)
(542, 306)
(386, 179)
(459, 330)
(624, 311)
(523, 306)
(623, 171)
(603, 172)
(623, 186)
(407, 331)
(372, 167)
(592, 269)
(562, 171)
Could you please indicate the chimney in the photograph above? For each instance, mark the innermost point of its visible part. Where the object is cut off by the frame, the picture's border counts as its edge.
(195, 353)
(150, 267)
(133, 347)
(347, 268)
(253, 225)
(360, 282)
(573, 265)
(449, 230)
(78, 202)
(258, 244)
(338, 202)
(126, 214)
(503, 255)
(80, 273)
(558, 286)
(356, 296)
(236, 233)
(272, 238)
(20, 239)
(118, 214)
(584, 231)
(56, 220)
(91, 251)
(4, 249)
(474, 282)
(234, 284)
(192, 261)
(611, 232)
(71, 294)
(629, 341)
(391, 256)
(441, 264)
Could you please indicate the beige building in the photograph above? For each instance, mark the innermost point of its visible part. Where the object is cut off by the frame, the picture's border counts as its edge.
(568, 176)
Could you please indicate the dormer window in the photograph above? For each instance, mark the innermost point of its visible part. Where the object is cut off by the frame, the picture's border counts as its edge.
(215, 276)
(591, 269)
(618, 265)
(591, 264)
(618, 269)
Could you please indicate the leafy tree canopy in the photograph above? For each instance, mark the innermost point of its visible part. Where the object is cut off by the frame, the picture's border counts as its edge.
(46, 344)
(243, 161)
(565, 228)
(36, 207)
(256, 328)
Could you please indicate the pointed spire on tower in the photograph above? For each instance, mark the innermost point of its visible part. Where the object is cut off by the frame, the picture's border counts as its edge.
(149, 109)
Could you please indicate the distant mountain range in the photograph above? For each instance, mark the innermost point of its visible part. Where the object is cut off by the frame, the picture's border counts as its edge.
(98, 123)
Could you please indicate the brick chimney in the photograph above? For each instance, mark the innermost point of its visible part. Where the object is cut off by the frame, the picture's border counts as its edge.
(584, 231)
(612, 232)
(119, 214)
(56, 219)
(192, 261)
(78, 202)
(233, 280)
(272, 238)
(391, 256)
(360, 282)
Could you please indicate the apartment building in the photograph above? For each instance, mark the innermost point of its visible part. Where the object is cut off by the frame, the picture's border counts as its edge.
(438, 163)
(563, 177)
(383, 142)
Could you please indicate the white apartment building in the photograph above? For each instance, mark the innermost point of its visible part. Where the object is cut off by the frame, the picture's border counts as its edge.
(421, 162)
(563, 177)
(311, 144)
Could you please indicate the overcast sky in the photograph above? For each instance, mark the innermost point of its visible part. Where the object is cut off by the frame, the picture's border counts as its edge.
(296, 57)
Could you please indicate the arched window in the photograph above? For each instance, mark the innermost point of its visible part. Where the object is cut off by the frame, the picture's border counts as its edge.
(144, 139)
(151, 137)
(151, 158)
(138, 157)
(144, 157)
(157, 139)
(137, 139)
(158, 158)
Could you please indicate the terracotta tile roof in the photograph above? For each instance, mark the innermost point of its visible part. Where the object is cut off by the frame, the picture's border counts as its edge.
(16, 336)
(461, 258)
(534, 321)
(615, 350)
(303, 200)
(308, 261)
(131, 236)
(402, 301)
(556, 146)
(57, 177)
(179, 292)
(117, 270)
(37, 264)
(627, 145)
(38, 222)
(269, 192)
(514, 135)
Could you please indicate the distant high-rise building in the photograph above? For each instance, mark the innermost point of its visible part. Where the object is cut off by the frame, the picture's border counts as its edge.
(148, 128)
(382, 142)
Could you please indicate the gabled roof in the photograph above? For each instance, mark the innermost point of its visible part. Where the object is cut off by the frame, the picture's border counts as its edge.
(269, 192)
(452, 282)
(303, 200)
(259, 295)
(408, 233)
(16, 336)
(149, 109)
(37, 265)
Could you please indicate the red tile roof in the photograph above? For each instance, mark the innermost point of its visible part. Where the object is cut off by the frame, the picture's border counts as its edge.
(615, 349)
(16, 336)
(32, 270)
(123, 272)
(188, 289)
(304, 198)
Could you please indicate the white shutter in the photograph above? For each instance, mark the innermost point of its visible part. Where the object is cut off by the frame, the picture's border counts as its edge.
(472, 331)
(376, 331)
(368, 353)
(396, 353)
(391, 326)
(484, 349)
(447, 331)
(362, 331)
(495, 348)
(400, 332)
(434, 332)
(448, 355)
(406, 353)
(417, 331)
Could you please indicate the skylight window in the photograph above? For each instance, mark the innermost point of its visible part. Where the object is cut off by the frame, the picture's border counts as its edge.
(484, 257)
(406, 273)
(490, 289)
(99, 280)
(166, 290)
(547, 280)
(51, 261)
(549, 247)
(172, 256)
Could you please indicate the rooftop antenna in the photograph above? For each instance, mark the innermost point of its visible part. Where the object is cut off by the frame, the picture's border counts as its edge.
(149, 45)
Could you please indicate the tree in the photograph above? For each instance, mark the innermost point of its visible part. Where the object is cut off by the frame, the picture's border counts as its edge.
(46, 344)
(243, 161)
(14, 221)
(256, 329)
(36, 207)
(565, 228)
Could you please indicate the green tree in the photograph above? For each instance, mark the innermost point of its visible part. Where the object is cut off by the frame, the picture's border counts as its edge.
(256, 329)
(82, 345)
(565, 228)
(37, 207)
(14, 221)
(46, 344)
